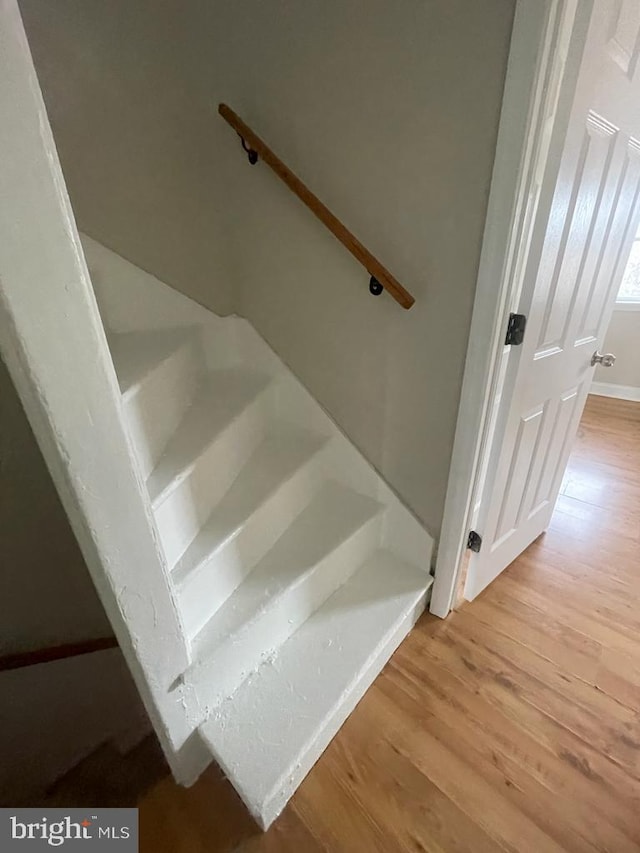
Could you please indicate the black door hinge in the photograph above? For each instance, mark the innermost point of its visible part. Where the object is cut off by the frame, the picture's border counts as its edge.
(474, 542)
(515, 329)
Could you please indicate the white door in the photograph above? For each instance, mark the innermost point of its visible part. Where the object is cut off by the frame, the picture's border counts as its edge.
(576, 259)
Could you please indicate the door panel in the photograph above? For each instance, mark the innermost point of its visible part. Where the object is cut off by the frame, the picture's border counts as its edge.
(519, 475)
(552, 467)
(569, 285)
(619, 232)
(591, 181)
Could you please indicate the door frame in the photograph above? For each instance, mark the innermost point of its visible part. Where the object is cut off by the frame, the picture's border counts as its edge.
(546, 48)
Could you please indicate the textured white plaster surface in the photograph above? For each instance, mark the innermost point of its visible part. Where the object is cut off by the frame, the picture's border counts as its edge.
(303, 694)
(55, 350)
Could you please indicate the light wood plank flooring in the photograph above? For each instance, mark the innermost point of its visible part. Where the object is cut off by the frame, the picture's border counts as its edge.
(513, 725)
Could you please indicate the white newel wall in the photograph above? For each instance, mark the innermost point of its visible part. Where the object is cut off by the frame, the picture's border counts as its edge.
(53, 345)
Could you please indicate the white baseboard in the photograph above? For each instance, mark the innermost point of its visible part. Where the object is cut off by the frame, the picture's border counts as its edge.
(620, 392)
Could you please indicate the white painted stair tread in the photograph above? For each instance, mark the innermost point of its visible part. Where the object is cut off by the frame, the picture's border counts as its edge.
(268, 735)
(279, 456)
(226, 393)
(135, 354)
(289, 603)
(332, 517)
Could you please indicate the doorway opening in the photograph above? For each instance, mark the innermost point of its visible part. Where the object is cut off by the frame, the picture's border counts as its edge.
(622, 380)
(561, 254)
(592, 538)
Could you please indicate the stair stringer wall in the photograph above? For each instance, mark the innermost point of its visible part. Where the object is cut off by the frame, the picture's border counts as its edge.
(129, 300)
(53, 344)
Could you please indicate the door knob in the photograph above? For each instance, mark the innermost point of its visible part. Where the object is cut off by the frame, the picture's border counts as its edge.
(606, 359)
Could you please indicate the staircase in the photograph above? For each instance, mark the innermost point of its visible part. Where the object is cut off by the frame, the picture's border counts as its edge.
(294, 569)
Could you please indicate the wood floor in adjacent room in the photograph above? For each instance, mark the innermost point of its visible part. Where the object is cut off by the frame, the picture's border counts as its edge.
(513, 725)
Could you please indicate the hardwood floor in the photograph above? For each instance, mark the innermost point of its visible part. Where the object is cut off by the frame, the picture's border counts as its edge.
(513, 725)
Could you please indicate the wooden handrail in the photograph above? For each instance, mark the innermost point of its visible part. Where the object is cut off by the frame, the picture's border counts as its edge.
(17, 660)
(255, 146)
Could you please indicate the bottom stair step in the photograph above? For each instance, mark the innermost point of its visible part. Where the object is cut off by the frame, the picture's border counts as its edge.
(268, 735)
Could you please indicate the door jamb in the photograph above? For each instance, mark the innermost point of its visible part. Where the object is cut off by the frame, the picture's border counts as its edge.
(537, 59)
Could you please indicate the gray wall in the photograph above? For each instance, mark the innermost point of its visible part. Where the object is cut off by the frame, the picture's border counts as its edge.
(623, 340)
(134, 134)
(389, 111)
(53, 715)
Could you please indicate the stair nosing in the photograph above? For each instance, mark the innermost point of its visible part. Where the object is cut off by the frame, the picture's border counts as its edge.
(312, 458)
(413, 598)
(185, 472)
(208, 653)
(353, 687)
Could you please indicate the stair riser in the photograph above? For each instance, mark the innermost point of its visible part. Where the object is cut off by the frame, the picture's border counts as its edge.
(221, 349)
(155, 408)
(223, 672)
(180, 515)
(209, 586)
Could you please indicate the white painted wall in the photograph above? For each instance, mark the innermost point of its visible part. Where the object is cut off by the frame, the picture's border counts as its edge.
(53, 345)
(46, 592)
(389, 111)
(48, 599)
(623, 340)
